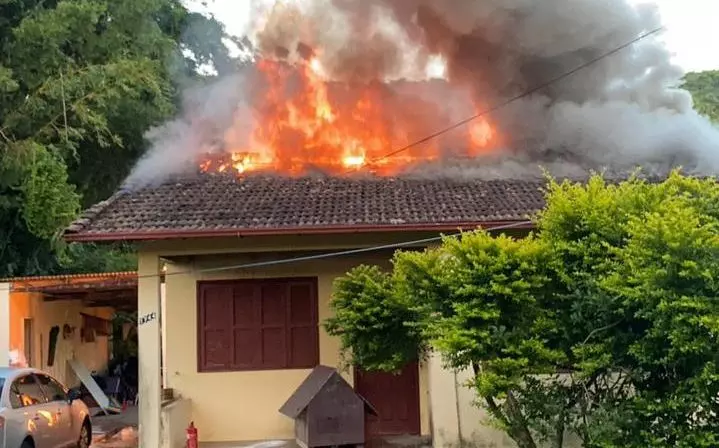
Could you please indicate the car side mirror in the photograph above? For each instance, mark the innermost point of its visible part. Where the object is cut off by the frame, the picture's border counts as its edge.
(74, 394)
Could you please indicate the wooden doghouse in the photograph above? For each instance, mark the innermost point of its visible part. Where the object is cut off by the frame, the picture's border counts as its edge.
(327, 411)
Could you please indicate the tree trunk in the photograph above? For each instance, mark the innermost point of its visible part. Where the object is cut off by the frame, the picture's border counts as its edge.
(520, 432)
(512, 419)
(559, 431)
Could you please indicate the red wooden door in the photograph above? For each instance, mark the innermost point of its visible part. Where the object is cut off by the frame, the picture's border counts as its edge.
(396, 399)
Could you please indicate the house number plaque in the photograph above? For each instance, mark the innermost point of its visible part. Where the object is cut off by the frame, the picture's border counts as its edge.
(147, 318)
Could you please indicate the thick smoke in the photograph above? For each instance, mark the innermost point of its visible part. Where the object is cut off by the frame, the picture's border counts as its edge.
(209, 113)
(623, 111)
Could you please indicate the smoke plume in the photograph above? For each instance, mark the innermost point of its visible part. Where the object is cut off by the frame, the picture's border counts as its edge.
(624, 111)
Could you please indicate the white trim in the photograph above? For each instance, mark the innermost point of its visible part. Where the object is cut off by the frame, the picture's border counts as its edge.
(5, 324)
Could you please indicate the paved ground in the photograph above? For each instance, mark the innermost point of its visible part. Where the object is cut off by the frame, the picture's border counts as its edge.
(124, 438)
(114, 431)
(120, 431)
(388, 442)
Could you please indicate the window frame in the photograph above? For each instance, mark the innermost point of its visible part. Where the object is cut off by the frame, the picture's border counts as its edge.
(202, 366)
(45, 390)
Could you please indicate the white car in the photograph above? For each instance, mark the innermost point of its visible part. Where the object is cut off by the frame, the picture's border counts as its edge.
(36, 411)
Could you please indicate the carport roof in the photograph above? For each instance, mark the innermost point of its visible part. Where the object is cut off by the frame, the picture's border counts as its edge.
(113, 289)
(28, 283)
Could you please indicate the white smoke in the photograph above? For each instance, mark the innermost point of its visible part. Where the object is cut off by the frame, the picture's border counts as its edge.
(623, 111)
(209, 112)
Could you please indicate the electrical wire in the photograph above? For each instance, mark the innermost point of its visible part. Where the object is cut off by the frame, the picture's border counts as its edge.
(260, 264)
(518, 97)
(419, 142)
(304, 258)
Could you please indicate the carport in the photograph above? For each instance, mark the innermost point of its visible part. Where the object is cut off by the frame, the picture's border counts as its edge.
(47, 322)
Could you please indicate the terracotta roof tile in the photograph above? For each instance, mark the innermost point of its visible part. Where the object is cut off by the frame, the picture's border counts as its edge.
(65, 278)
(225, 204)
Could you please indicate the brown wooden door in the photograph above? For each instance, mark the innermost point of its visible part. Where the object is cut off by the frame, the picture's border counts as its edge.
(396, 399)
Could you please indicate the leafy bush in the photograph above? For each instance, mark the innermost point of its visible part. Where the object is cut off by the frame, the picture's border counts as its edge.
(604, 323)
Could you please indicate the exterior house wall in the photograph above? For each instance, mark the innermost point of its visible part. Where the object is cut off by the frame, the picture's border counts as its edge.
(230, 406)
(457, 418)
(45, 315)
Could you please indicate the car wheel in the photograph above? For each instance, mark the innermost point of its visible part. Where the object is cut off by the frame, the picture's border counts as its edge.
(85, 436)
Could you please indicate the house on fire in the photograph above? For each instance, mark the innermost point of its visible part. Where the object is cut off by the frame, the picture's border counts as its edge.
(248, 283)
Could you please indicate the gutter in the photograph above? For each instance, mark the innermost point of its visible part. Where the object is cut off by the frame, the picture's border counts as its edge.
(270, 231)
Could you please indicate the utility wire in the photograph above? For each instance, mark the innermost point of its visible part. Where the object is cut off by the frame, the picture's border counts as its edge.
(518, 97)
(362, 250)
(303, 258)
(419, 142)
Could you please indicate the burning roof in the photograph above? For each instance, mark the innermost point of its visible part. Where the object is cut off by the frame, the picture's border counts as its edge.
(227, 205)
(342, 87)
(345, 86)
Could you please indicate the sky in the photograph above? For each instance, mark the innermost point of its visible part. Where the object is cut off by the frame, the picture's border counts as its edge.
(690, 27)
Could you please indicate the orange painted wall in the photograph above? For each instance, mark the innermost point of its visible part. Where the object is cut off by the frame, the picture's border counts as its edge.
(30, 305)
(19, 310)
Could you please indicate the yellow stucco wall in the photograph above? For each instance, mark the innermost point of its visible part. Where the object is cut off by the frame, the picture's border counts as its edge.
(458, 416)
(244, 405)
(45, 315)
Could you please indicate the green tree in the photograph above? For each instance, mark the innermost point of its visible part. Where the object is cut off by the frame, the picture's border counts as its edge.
(80, 83)
(603, 323)
(704, 87)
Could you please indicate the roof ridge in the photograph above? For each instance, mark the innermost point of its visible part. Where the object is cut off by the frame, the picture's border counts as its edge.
(89, 215)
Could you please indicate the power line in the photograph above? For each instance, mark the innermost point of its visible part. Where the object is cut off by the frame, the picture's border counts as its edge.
(341, 253)
(520, 96)
(419, 142)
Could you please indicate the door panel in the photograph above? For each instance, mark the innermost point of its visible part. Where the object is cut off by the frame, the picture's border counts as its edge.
(28, 401)
(396, 399)
(59, 406)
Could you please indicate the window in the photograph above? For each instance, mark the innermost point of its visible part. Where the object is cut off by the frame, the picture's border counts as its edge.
(27, 392)
(257, 325)
(53, 390)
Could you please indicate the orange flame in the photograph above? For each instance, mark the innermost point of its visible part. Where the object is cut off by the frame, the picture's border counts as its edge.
(303, 121)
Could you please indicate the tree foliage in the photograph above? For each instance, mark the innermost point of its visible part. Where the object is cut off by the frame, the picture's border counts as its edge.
(704, 87)
(80, 83)
(604, 323)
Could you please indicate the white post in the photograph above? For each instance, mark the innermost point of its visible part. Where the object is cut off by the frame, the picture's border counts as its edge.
(149, 346)
(5, 324)
(444, 404)
(163, 333)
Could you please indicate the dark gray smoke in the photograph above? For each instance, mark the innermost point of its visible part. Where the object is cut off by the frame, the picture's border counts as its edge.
(624, 111)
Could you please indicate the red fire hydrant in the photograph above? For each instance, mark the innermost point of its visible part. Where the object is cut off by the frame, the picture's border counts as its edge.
(192, 436)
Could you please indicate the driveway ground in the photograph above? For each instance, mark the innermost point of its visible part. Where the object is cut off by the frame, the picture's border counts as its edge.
(114, 431)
